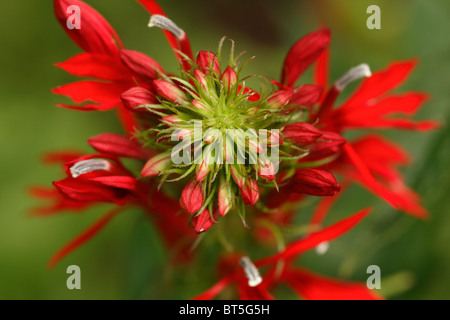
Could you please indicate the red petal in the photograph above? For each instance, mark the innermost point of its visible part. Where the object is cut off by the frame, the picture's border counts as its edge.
(128, 121)
(96, 66)
(95, 35)
(214, 290)
(95, 91)
(91, 107)
(302, 54)
(59, 202)
(381, 82)
(82, 238)
(82, 190)
(256, 293)
(322, 69)
(367, 176)
(314, 287)
(117, 145)
(121, 182)
(61, 157)
(323, 207)
(314, 239)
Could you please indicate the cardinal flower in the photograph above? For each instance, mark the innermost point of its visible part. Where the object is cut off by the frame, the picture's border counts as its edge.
(250, 284)
(372, 160)
(224, 150)
(96, 178)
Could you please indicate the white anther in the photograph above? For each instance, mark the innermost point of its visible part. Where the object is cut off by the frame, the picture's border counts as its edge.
(322, 248)
(165, 23)
(355, 73)
(251, 271)
(87, 166)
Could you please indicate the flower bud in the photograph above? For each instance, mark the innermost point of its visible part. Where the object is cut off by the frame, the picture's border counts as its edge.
(279, 98)
(267, 170)
(156, 165)
(140, 64)
(199, 105)
(315, 182)
(170, 91)
(250, 192)
(207, 62)
(137, 96)
(225, 198)
(172, 118)
(203, 170)
(201, 78)
(329, 144)
(192, 197)
(301, 133)
(203, 221)
(229, 78)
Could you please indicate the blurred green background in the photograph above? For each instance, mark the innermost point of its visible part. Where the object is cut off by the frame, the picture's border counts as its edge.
(127, 260)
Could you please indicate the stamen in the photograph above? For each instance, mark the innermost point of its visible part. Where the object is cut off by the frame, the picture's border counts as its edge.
(322, 248)
(356, 73)
(251, 272)
(165, 23)
(87, 166)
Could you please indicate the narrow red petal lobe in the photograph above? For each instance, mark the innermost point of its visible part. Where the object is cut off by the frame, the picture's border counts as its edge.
(330, 233)
(381, 82)
(96, 66)
(82, 238)
(117, 145)
(94, 91)
(302, 54)
(311, 286)
(95, 34)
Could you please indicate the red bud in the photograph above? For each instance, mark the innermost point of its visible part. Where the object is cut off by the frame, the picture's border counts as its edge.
(156, 165)
(301, 133)
(170, 91)
(137, 96)
(250, 192)
(192, 197)
(207, 61)
(279, 98)
(140, 64)
(315, 182)
(229, 78)
(203, 221)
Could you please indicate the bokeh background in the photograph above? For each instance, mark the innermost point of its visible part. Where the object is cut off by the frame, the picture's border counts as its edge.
(127, 260)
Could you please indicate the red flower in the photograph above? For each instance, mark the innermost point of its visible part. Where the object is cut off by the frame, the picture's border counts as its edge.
(103, 178)
(114, 68)
(371, 160)
(304, 283)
